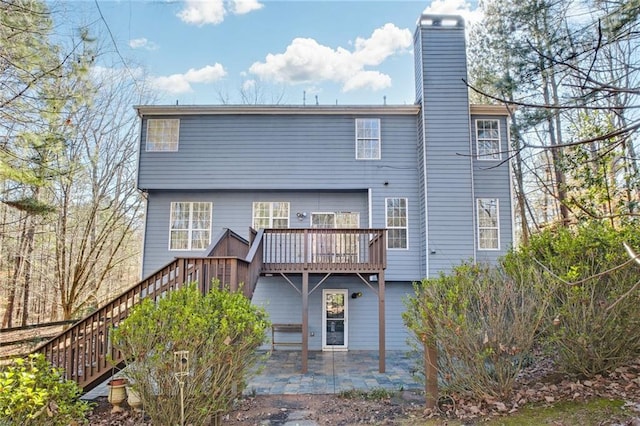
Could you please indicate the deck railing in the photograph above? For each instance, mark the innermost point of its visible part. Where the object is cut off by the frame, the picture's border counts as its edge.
(324, 250)
(84, 350)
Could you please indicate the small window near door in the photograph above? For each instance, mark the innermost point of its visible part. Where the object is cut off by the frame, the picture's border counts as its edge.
(270, 214)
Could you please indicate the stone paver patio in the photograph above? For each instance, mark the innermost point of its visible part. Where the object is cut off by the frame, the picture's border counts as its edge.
(327, 373)
(333, 372)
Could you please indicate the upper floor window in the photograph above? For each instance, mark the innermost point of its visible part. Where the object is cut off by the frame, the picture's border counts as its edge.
(488, 224)
(270, 214)
(190, 227)
(162, 134)
(367, 139)
(397, 223)
(488, 139)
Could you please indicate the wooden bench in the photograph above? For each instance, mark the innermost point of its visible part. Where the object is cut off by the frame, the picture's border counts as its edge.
(285, 328)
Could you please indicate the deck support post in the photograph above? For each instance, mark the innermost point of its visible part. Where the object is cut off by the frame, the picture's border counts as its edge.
(431, 374)
(381, 324)
(305, 321)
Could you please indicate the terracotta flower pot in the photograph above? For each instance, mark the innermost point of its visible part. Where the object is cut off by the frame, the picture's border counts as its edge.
(117, 381)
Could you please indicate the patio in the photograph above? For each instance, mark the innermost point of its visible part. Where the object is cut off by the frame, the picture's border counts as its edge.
(333, 372)
(329, 373)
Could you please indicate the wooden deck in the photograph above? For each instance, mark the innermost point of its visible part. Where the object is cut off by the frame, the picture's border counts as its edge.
(324, 250)
(84, 349)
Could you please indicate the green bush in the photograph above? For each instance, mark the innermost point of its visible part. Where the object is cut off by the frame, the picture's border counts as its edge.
(221, 330)
(32, 392)
(596, 295)
(574, 292)
(484, 323)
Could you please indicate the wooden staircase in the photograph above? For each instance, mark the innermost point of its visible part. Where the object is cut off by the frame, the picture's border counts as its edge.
(84, 350)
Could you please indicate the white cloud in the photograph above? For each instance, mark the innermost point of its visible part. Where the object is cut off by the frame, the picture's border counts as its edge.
(455, 7)
(240, 7)
(384, 42)
(142, 43)
(248, 85)
(181, 83)
(305, 60)
(202, 12)
(373, 80)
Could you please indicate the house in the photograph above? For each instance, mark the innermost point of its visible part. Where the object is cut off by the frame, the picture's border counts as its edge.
(350, 204)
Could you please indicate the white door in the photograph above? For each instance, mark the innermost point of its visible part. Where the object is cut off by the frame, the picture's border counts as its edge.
(334, 247)
(334, 320)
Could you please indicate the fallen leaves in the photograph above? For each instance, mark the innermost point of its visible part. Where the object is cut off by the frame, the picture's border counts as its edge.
(541, 384)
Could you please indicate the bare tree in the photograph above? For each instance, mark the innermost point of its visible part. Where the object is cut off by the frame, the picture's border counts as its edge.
(69, 207)
(574, 86)
(97, 227)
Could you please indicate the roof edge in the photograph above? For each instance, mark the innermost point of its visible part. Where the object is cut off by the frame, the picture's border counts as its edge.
(147, 110)
(486, 109)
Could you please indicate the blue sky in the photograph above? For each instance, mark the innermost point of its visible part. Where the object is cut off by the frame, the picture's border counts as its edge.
(201, 52)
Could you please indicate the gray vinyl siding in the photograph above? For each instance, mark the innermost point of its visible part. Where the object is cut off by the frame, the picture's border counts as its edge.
(248, 152)
(282, 158)
(284, 305)
(492, 180)
(449, 189)
(234, 210)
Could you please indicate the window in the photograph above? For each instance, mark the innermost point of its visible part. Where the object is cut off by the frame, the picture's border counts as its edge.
(367, 139)
(488, 139)
(162, 134)
(268, 214)
(190, 227)
(397, 223)
(488, 224)
(335, 220)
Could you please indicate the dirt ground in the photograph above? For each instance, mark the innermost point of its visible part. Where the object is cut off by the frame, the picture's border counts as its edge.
(539, 386)
(278, 409)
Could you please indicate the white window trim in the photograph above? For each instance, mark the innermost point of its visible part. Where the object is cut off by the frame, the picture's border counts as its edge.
(343, 347)
(271, 217)
(362, 138)
(494, 156)
(190, 229)
(496, 228)
(386, 222)
(146, 145)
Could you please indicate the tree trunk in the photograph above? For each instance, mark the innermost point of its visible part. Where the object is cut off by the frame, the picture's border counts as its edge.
(30, 234)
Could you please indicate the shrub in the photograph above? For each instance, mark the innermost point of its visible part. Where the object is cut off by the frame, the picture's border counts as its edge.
(33, 392)
(596, 295)
(484, 323)
(221, 330)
